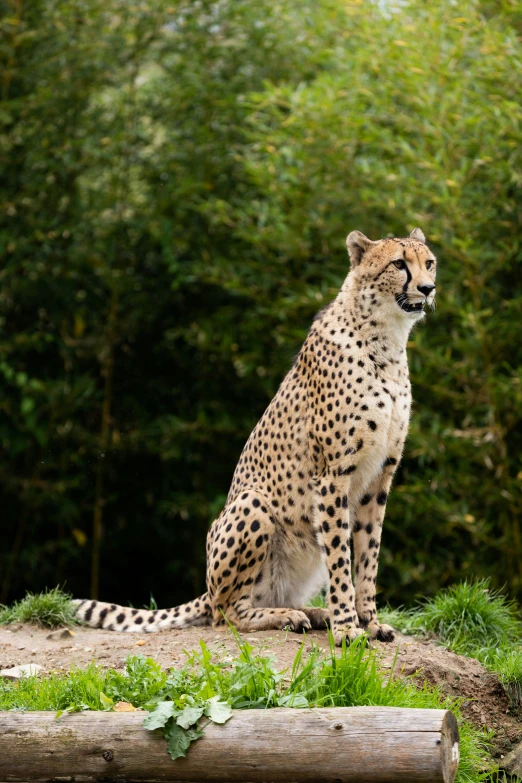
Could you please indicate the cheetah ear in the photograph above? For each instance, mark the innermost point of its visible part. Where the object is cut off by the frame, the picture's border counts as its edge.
(418, 235)
(357, 245)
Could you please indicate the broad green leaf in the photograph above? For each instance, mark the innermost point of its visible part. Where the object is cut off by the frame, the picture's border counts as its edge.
(292, 700)
(106, 701)
(218, 711)
(189, 716)
(179, 740)
(160, 715)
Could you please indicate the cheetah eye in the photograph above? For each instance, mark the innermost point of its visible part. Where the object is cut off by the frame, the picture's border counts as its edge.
(400, 264)
(429, 264)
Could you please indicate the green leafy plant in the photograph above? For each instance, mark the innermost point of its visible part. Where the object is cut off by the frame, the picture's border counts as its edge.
(251, 680)
(91, 688)
(180, 718)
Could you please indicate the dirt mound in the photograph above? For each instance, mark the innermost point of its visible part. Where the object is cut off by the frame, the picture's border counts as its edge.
(484, 701)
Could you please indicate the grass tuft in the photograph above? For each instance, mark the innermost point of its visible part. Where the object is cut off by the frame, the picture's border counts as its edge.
(507, 663)
(471, 618)
(50, 609)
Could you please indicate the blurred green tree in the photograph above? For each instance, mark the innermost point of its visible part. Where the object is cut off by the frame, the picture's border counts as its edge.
(178, 179)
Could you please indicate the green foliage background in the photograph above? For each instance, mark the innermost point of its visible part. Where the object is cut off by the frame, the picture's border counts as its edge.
(177, 182)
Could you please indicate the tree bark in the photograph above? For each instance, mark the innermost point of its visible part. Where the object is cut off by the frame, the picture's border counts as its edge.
(341, 745)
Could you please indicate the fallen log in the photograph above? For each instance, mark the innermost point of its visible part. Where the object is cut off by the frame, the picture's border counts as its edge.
(336, 745)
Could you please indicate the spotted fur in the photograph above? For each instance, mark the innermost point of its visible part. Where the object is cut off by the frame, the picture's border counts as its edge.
(312, 482)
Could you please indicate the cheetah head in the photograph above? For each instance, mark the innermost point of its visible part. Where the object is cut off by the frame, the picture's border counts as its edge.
(395, 274)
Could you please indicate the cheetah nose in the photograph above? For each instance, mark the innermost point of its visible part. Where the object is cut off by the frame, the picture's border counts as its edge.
(425, 289)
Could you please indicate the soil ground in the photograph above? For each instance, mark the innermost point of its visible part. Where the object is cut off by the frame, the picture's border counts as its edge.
(484, 700)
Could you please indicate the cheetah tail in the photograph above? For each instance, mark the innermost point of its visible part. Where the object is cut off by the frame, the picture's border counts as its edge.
(120, 618)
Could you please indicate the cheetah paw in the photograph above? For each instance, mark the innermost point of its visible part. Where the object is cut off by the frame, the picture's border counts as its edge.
(348, 633)
(381, 632)
(296, 622)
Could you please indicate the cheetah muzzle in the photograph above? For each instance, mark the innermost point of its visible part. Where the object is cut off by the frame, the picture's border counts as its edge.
(313, 479)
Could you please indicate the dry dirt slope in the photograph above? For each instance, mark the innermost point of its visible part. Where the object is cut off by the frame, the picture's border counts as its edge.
(484, 700)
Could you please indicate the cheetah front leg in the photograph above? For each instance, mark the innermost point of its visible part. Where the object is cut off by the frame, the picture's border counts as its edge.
(332, 524)
(367, 530)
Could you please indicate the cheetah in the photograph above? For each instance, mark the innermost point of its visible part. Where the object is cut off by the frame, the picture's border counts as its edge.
(313, 479)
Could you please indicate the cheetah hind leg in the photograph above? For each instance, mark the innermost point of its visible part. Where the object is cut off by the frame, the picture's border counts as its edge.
(240, 554)
(319, 618)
